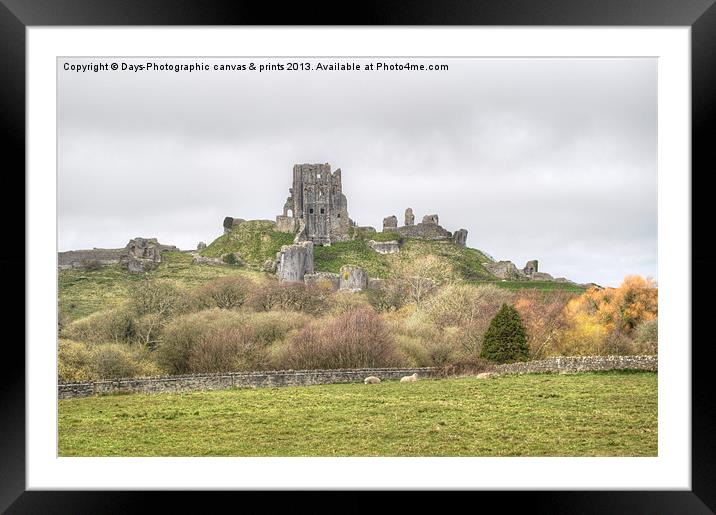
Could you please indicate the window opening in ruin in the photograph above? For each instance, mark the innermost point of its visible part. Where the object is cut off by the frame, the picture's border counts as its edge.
(323, 211)
(310, 211)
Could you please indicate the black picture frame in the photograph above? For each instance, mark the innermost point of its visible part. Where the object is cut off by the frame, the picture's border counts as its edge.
(700, 15)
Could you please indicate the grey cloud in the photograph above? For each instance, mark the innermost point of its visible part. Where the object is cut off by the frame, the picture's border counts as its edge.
(553, 159)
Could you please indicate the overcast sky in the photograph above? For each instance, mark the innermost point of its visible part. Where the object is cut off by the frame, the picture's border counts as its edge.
(548, 159)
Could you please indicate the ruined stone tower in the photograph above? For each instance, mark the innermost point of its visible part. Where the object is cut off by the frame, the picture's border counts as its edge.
(316, 209)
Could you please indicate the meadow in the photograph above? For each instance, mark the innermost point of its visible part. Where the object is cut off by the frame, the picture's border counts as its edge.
(587, 414)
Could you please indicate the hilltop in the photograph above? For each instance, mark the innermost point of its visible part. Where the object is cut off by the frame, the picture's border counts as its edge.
(83, 291)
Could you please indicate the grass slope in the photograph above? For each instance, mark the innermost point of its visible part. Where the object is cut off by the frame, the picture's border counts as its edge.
(590, 414)
(535, 285)
(82, 292)
(255, 240)
(466, 262)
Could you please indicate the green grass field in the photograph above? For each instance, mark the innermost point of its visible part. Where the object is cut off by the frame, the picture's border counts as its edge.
(590, 414)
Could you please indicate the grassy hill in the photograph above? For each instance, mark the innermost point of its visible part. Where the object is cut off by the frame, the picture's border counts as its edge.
(258, 240)
(589, 414)
(466, 262)
(82, 292)
(255, 240)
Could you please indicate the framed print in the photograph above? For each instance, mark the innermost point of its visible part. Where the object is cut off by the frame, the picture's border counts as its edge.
(315, 203)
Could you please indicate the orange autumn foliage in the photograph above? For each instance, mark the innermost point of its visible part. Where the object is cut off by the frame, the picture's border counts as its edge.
(617, 309)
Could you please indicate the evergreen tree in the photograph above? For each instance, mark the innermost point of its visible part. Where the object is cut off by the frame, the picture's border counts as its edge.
(505, 339)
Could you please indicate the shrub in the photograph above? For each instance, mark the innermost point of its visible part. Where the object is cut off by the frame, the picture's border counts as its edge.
(158, 296)
(422, 276)
(72, 362)
(543, 313)
(230, 259)
(148, 329)
(117, 360)
(272, 326)
(465, 304)
(273, 295)
(344, 302)
(227, 292)
(617, 343)
(646, 337)
(353, 340)
(390, 295)
(505, 339)
(226, 347)
(216, 340)
(112, 325)
(182, 333)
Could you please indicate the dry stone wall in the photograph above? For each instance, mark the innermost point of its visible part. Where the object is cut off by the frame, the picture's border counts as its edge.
(199, 382)
(581, 364)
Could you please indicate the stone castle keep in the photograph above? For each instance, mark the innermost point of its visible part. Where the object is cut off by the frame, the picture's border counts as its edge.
(316, 209)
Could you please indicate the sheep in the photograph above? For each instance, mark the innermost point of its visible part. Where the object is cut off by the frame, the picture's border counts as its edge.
(371, 380)
(409, 379)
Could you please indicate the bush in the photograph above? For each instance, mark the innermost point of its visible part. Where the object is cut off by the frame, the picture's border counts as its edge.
(158, 296)
(465, 304)
(273, 326)
(230, 259)
(422, 276)
(505, 339)
(345, 302)
(216, 340)
(390, 295)
(543, 314)
(226, 347)
(73, 359)
(181, 334)
(112, 325)
(273, 296)
(356, 339)
(116, 360)
(229, 292)
(646, 337)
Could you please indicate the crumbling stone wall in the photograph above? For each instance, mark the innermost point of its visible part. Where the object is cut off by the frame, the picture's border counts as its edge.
(384, 247)
(460, 237)
(390, 223)
(504, 270)
(531, 267)
(409, 217)
(139, 255)
(230, 223)
(293, 262)
(88, 258)
(428, 229)
(323, 278)
(353, 278)
(143, 254)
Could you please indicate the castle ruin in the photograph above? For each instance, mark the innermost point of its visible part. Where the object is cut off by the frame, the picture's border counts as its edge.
(316, 209)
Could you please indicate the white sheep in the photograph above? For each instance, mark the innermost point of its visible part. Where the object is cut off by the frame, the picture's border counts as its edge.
(371, 380)
(409, 379)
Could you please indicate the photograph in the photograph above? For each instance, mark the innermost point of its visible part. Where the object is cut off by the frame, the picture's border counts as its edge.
(357, 256)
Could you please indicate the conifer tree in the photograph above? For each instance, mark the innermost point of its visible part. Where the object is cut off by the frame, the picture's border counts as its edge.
(505, 339)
